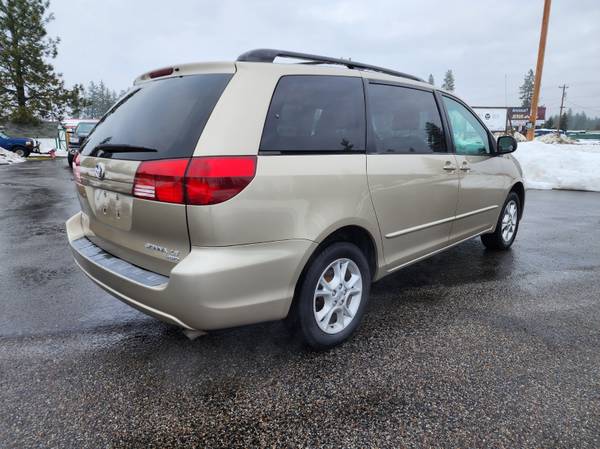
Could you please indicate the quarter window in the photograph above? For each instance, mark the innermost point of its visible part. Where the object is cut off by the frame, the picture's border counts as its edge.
(313, 113)
(470, 137)
(405, 120)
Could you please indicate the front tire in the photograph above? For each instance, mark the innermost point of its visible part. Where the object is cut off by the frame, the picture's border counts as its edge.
(21, 151)
(507, 226)
(333, 295)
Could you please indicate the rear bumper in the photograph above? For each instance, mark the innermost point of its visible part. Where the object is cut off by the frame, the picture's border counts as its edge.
(212, 287)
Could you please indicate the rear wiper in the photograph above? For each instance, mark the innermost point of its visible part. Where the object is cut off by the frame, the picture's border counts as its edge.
(123, 148)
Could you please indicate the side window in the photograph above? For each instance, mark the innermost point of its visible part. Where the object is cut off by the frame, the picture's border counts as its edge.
(316, 113)
(405, 120)
(470, 137)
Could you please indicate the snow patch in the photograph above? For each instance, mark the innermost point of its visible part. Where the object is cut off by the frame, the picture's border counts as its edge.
(519, 137)
(560, 166)
(8, 157)
(554, 138)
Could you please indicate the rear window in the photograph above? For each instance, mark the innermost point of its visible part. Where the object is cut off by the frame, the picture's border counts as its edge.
(157, 120)
(405, 120)
(315, 113)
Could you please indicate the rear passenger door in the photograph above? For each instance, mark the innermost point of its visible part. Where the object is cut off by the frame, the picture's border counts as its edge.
(412, 175)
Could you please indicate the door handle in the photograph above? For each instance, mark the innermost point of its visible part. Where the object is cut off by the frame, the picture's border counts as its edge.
(449, 166)
(465, 166)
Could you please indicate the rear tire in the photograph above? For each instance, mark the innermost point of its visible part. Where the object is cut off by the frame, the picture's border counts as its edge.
(332, 296)
(506, 227)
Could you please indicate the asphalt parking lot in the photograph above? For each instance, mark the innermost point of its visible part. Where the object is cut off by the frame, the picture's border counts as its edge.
(468, 349)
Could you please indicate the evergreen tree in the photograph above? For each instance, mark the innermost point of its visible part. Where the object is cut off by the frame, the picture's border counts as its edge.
(564, 121)
(448, 83)
(526, 89)
(430, 80)
(550, 123)
(29, 86)
(99, 99)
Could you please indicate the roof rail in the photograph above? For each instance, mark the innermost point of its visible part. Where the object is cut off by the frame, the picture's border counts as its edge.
(269, 55)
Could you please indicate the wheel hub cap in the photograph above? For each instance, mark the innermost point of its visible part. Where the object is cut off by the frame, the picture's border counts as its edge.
(509, 221)
(337, 296)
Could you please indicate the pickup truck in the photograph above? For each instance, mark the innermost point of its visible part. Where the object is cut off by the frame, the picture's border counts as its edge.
(21, 146)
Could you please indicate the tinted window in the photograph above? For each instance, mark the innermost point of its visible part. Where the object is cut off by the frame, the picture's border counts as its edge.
(159, 119)
(405, 120)
(470, 137)
(315, 113)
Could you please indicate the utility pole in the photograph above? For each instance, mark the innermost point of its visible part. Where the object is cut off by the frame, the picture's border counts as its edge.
(538, 70)
(564, 87)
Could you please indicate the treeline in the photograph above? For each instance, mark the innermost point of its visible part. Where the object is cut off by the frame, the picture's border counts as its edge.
(574, 121)
(97, 100)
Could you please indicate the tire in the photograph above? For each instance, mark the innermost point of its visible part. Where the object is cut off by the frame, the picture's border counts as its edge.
(507, 226)
(21, 151)
(340, 309)
(70, 160)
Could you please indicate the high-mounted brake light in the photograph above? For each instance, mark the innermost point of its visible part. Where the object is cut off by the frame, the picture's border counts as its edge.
(196, 181)
(161, 72)
(77, 168)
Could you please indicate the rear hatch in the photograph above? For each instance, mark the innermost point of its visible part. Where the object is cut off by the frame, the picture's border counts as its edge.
(155, 121)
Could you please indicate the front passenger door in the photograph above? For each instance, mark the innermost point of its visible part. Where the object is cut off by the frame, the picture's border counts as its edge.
(482, 181)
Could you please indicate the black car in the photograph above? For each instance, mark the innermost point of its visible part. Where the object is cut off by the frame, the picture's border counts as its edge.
(83, 129)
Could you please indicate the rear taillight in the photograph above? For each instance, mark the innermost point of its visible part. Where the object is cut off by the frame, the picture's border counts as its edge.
(207, 180)
(77, 168)
(161, 180)
(212, 180)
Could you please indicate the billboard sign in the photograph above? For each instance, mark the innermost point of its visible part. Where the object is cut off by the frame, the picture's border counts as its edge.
(494, 118)
(519, 116)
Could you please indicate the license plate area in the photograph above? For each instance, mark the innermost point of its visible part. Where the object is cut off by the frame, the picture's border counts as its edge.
(112, 208)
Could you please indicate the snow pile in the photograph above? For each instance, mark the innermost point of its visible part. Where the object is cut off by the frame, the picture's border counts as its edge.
(519, 137)
(8, 157)
(559, 166)
(554, 138)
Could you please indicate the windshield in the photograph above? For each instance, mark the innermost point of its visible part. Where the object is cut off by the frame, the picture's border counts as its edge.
(157, 120)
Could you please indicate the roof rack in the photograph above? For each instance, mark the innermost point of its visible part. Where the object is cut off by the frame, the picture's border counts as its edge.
(269, 55)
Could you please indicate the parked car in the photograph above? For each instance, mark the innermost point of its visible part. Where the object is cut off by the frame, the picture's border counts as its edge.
(259, 191)
(19, 145)
(77, 136)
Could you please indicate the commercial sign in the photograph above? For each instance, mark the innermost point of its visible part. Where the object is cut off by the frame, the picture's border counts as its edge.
(494, 118)
(519, 116)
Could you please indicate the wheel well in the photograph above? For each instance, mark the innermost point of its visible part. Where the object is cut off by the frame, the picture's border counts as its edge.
(352, 234)
(519, 189)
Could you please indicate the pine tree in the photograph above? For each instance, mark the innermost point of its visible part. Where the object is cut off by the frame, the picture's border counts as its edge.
(550, 123)
(448, 83)
(564, 121)
(430, 80)
(99, 99)
(29, 86)
(526, 89)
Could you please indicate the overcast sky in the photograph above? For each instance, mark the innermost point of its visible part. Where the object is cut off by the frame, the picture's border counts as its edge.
(484, 42)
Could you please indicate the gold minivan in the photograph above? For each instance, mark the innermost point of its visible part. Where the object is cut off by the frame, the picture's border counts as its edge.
(221, 194)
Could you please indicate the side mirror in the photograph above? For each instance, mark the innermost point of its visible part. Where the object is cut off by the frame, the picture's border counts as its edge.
(506, 144)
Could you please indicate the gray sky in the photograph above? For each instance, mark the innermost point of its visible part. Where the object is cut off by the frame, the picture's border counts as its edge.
(483, 41)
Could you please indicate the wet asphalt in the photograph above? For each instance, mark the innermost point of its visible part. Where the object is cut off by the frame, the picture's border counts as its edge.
(468, 349)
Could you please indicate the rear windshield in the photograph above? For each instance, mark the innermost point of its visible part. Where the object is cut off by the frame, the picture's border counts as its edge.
(157, 120)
